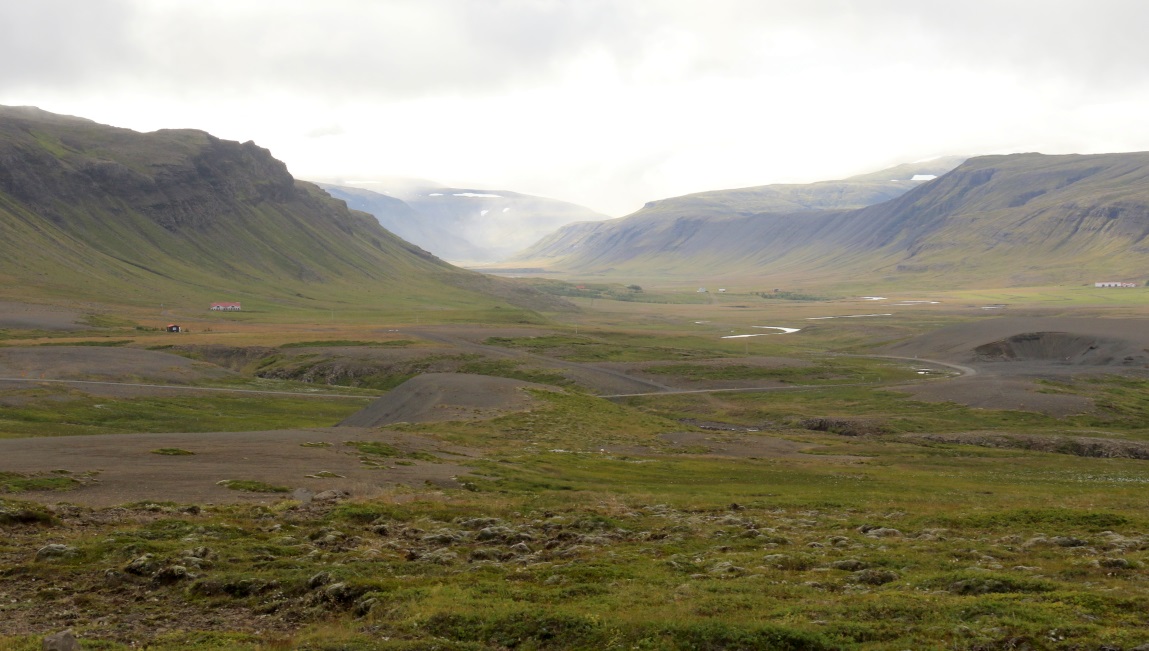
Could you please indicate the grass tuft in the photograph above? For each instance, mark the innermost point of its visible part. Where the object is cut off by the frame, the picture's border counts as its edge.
(252, 486)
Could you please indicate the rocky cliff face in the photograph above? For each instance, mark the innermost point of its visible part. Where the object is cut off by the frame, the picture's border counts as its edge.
(48, 163)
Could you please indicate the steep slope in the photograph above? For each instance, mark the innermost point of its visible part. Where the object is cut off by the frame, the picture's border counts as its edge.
(1018, 219)
(658, 223)
(463, 225)
(175, 216)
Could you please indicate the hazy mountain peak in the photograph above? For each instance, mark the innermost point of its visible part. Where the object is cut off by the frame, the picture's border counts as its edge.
(466, 225)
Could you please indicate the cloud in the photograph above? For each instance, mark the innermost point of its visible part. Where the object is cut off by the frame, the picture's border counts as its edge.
(411, 48)
(323, 132)
(606, 102)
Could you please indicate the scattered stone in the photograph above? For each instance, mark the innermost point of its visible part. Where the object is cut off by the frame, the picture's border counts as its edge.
(1068, 541)
(489, 554)
(331, 496)
(171, 574)
(204, 553)
(303, 495)
(726, 568)
(978, 587)
(874, 576)
(341, 593)
(113, 577)
(521, 548)
(884, 532)
(62, 641)
(848, 564)
(443, 537)
(1115, 563)
(319, 580)
(442, 556)
(363, 607)
(145, 565)
(479, 523)
(574, 550)
(23, 515)
(493, 533)
(54, 550)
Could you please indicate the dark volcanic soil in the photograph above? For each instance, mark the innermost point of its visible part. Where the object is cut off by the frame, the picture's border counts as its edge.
(101, 363)
(124, 469)
(1051, 341)
(29, 316)
(1010, 354)
(445, 396)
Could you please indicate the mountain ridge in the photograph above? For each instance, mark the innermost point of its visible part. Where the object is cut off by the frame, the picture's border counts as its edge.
(718, 206)
(98, 211)
(465, 225)
(1013, 219)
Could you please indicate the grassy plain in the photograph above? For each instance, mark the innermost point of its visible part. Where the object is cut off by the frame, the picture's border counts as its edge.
(586, 524)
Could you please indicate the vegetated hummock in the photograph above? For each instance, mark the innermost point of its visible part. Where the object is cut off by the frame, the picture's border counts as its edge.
(182, 217)
(463, 225)
(1021, 219)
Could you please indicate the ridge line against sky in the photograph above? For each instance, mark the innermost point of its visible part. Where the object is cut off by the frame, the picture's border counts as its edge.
(605, 103)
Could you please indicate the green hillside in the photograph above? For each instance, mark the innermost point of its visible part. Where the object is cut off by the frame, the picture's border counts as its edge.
(1014, 220)
(181, 217)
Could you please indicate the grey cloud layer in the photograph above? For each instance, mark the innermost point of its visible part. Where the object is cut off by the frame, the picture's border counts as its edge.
(418, 47)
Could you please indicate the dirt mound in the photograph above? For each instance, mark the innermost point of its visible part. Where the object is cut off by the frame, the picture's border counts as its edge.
(445, 396)
(1035, 339)
(1061, 348)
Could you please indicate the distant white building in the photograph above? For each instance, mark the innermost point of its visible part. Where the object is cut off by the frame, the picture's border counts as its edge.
(701, 290)
(1114, 284)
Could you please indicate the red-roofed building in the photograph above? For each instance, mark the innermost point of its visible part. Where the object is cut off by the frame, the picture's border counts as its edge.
(225, 307)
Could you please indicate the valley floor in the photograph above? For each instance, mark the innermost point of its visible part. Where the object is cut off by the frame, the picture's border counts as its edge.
(860, 497)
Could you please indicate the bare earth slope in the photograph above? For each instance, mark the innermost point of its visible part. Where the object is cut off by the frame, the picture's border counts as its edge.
(445, 396)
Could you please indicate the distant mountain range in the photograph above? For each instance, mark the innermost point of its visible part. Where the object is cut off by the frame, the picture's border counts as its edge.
(181, 217)
(463, 225)
(658, 225)
(1017, 219)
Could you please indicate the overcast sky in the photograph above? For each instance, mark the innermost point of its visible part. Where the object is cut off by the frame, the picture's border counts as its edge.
(607, 103)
